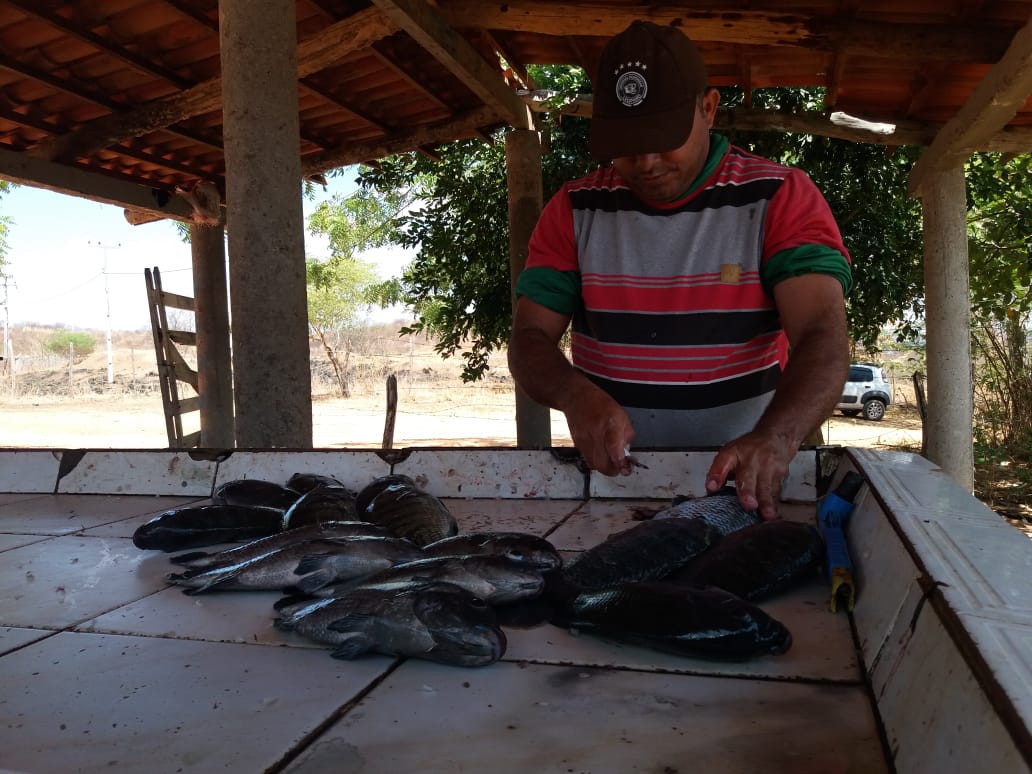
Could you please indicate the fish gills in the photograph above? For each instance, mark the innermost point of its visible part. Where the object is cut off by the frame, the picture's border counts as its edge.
(324, 503)
(517, 546)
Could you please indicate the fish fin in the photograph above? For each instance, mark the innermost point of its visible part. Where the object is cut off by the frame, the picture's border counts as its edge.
(314, 581)
(310, 563)
(190, 556)
(355, 645)
(290, 599)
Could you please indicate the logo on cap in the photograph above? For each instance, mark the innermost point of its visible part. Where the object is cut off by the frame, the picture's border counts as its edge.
(631, 86)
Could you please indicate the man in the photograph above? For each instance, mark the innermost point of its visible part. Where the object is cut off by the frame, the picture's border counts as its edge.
(688, 268)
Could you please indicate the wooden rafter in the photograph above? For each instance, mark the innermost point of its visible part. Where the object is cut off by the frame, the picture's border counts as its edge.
(999, 95)
(434, 33)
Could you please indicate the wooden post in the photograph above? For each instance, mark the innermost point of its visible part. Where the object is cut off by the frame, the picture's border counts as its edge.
(211, 317)
(947, 315)
(523, 173)
(272, 377)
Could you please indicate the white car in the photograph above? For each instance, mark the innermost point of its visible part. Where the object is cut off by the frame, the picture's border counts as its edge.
(867, 391)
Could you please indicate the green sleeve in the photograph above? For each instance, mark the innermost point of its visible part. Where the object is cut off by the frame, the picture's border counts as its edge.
(806, 259)
(560, 291)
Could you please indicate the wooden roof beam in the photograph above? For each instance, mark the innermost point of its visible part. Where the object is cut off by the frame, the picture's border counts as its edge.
(467, 123)
(993, 103)
(313, 54)
(38, 173)
(431, 31)
(908, 42)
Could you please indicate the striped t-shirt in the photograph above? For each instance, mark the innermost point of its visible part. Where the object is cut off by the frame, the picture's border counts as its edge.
(671, 305)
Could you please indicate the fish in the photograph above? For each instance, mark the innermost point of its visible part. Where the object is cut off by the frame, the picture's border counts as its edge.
(303, 483)
(759, 561)
(253, 491)
(523, 547)
(321, 504)
(495, 579)
(368, 557)
(720, 509)
(436, 622)
(649, 550)
(397, 503)
(702, 622)
(196, 526)
(288, 568)
(328, 530)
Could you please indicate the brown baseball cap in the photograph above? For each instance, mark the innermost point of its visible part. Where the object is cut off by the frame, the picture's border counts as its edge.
(645, 90)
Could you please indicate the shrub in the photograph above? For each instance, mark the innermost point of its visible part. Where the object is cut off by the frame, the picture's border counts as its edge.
(81, 343)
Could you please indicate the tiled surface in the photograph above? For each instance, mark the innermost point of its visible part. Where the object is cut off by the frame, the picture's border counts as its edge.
(28, 471)
(99, 648)
(573, 718)
(92, 637)
(133, 472)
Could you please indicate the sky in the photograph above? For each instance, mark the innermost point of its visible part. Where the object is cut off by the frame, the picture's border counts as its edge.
(79, 263)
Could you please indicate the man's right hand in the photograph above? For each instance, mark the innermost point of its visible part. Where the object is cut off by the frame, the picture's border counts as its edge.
(601, 431)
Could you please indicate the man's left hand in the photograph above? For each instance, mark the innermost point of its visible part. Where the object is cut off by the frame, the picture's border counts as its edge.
(759, 463)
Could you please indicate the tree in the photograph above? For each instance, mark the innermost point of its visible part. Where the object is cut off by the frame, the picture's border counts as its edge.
(5, 227)
(339, 289)
(80, 343)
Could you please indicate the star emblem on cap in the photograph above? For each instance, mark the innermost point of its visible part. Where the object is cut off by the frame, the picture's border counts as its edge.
(637, 64)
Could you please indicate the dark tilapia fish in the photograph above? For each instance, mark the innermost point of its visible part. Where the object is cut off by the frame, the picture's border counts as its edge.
(685, 620)
(437, 622)
(720, 509)
(494, 579)
(758, 561)
(306, 482)
(324, 503)
(532, 550)
(290, 567)
(398, 504)
(195, 526)
(647, 551)
(329, 530)
(253, 491)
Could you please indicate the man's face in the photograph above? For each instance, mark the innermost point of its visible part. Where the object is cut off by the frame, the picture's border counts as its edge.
(663, 177)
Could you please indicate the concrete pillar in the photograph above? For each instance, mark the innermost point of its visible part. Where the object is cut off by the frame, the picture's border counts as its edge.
(523, 174)
(211, 313)
(272, 379)
(947, 315)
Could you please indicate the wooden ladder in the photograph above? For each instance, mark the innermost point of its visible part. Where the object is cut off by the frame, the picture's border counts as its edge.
(172, 366)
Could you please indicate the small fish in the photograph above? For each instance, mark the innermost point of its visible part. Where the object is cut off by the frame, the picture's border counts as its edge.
(324, 503)
(647, 551)
(398, 504)
(720, 509)
(437, 622)
(195, 526)
(494, 579)
(290, 567)
(253, 491)
(530, 549)
(329, 530)
(758, 561)
(706, 623)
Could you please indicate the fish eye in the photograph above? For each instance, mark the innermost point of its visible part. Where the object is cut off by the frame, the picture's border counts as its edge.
(516, 556)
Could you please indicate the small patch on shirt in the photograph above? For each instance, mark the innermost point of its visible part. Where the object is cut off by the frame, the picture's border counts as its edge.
(730, 272)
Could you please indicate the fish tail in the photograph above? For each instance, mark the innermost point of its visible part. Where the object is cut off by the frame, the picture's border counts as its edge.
(284, 623)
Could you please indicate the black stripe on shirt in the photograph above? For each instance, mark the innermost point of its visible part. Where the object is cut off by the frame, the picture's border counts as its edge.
(683, 330)
(729, 195)
(691, 396)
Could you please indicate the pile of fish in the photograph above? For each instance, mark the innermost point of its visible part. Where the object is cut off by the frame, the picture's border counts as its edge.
(386, 570)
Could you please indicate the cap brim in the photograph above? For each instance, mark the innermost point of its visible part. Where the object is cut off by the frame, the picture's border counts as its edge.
(611, 137)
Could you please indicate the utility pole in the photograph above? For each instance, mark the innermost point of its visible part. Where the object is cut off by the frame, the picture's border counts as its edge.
(107, 300)
(5, 355)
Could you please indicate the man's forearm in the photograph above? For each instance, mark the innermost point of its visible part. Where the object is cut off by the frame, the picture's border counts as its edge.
(810, 386)
(542, 370)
